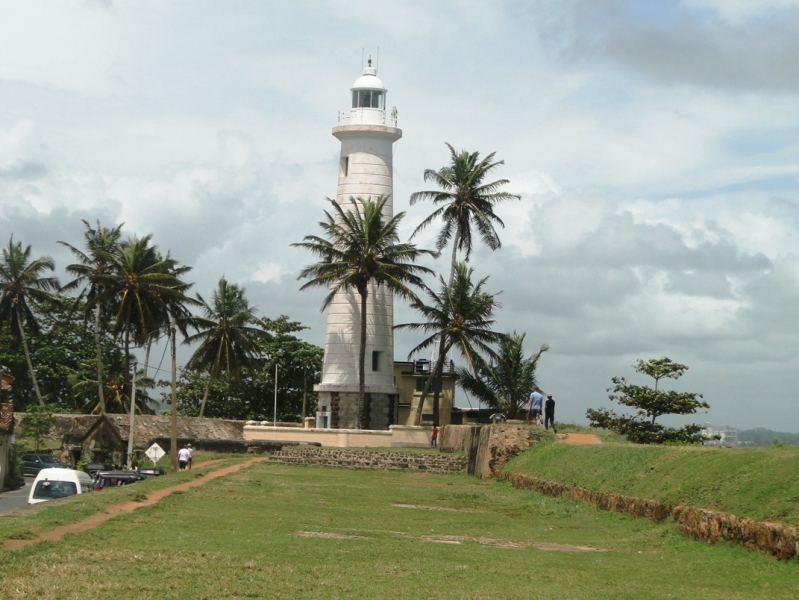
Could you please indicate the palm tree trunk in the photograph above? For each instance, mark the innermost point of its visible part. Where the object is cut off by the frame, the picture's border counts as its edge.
(126, 376)
(362, 361)
(439, 363)
(205, 395)
(99, 350)
(454, 256)
(147, 352)
(28, 359)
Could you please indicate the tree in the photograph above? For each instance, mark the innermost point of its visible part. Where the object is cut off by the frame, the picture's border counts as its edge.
(21, 279)
(228, 334)
(144, 288)
(299, 364)
(251, 396)
(36, 424)
(359, 250)
(461, 315)
(465, 201)
(651, 403)
(101, 244)
(504, 383)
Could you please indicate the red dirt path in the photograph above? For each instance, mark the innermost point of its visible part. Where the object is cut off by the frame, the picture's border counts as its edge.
(126, 507)
(581, 438)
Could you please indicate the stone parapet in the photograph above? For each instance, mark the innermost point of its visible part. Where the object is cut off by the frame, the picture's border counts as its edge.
(388, 461)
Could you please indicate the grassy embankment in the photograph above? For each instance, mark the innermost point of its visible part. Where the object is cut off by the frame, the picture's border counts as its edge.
(275, 531)
(759, 483)
(28, 522)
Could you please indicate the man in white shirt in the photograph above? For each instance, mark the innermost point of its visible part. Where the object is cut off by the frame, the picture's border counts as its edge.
(183, 457)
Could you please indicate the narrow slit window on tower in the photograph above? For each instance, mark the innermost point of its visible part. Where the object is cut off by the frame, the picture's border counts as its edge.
(345, 165)
(375, 360)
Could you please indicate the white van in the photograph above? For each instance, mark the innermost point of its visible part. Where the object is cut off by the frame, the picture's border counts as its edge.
(59, 483)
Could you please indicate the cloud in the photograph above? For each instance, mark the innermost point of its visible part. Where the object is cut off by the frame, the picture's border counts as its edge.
(709, 44)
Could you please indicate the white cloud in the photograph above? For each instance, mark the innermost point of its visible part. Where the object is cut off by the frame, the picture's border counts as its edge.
(655, 156)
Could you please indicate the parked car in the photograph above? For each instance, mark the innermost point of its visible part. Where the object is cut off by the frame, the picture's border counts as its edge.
(115, 478)
(33, 462)
(93, 468)
(55, 482)
(152, 471)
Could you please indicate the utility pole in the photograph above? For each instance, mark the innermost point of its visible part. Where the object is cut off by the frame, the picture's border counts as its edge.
(132, 413)
(173, 446)
(274, 424)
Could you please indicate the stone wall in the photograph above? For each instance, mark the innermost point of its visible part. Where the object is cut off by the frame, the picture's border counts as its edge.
(701, 524)
(488, 446)
(352, 459)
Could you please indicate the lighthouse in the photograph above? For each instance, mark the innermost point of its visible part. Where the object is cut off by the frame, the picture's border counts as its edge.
(365, 170)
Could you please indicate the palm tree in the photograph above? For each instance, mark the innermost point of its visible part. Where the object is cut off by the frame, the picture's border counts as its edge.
(227, 334)
(465, 199)
(143, 287)
(460, 315)
(21, 279)
(362, 250)
(101, 243)
(503, 383)
(114, 389)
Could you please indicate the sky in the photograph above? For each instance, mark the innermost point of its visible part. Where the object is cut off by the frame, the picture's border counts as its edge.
(655, 147)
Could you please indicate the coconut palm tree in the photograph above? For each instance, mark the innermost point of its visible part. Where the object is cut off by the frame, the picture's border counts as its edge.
(361, 249)
(115, 392)
(465, 201)
(227, 334)
(20, 280)
(504, 383)
(101, 243)
(144, 289)
(461, 315)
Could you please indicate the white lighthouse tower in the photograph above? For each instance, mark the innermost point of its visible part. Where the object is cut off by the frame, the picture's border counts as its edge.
(366, 171)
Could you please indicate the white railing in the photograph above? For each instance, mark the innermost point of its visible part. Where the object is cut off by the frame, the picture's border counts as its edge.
(346, 117)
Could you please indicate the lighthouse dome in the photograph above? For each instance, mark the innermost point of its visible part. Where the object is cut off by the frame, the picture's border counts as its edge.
(368, 80)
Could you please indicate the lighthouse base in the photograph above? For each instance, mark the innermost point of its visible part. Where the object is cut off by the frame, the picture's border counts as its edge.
(381, 408)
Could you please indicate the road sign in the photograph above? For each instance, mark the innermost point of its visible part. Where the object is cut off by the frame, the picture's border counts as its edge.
(155, 453)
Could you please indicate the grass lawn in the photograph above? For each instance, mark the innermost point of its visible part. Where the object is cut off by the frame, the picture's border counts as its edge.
(760, 483)
(275, 531)
(32, 520)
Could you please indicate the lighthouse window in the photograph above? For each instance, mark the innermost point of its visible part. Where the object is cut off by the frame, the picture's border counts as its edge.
(345, 165)
(375, 360)
(368, 99)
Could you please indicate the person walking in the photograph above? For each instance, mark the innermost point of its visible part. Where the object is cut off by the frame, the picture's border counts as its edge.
(434, 437)
(549, 413)
(534, 412)
(183, 457)
(191, 456)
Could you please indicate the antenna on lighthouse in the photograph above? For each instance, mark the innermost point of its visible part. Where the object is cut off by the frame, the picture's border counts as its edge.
(361, 59)
(377, 62)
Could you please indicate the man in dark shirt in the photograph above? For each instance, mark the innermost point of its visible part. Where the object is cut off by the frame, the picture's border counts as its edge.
(549, 413)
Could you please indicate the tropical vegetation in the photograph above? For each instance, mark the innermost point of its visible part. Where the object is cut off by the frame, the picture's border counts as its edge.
(651, 403)
(504, 382)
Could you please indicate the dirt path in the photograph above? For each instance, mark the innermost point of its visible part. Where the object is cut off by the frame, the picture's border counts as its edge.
(580, 438)
(126, 507)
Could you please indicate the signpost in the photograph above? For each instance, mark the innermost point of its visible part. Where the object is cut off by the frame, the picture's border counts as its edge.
(155, 453)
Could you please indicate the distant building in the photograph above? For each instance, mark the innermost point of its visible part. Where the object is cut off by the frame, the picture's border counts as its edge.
(410, 378)
(727, 437)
